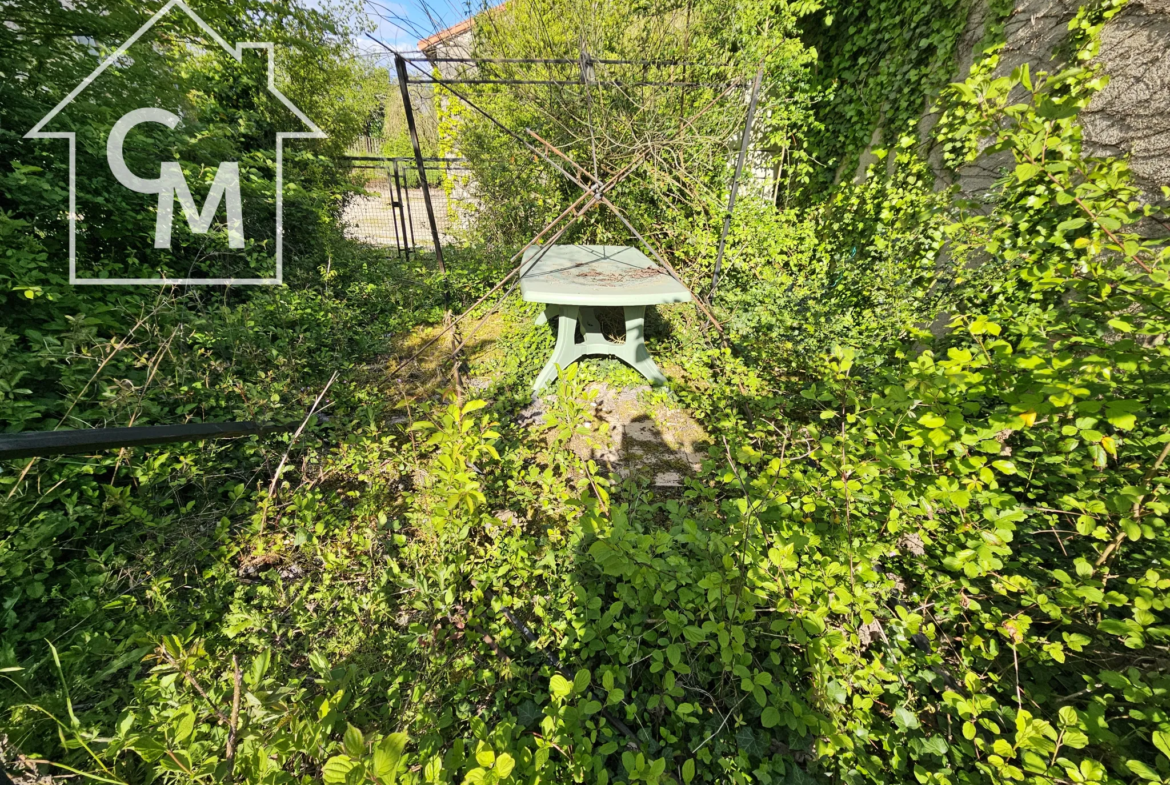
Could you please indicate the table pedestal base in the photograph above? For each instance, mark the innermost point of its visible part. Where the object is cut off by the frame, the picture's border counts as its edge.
(568, 351)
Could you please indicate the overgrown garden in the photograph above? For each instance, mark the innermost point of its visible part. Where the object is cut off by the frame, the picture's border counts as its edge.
(927, 542)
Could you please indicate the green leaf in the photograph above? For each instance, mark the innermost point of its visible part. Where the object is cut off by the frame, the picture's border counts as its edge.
(581, 680)
(353, 742)
(185, 725)
(473, 406)
(149, 747)
(1121, 414)
(337, 768)
(1026, 171)
(1070, 225)
(770, 718)
(1142, 770)
(936, 745)
(1162, 742)
(931, 420)
(319, 663)
(484, 755)
(387, 754)
(814, 625)
(1025, 76)
(752, 743)
(1092, 770)
(258, 668)
(905, 719)
(559, 686)
(528, 713)
(433, 768)
(74, 722)
(126, 723)
(688, 771)
(504, 765)
(475, 776)
(1075, 739)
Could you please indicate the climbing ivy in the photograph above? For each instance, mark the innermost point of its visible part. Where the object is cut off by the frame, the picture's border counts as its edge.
(878, 66)
(451, 114)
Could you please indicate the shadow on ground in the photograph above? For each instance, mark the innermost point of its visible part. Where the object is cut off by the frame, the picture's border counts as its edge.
(647, 439)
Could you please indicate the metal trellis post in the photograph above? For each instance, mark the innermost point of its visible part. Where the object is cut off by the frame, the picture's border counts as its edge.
(403, 79)
(743, 146)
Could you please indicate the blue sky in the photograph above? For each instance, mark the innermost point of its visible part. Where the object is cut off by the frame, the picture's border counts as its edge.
(406, 21)
(401, 23)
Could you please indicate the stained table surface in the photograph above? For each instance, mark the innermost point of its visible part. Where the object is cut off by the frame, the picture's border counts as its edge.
(597, 275)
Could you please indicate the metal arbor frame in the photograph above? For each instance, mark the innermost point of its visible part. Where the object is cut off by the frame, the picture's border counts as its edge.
(403, 80)
(593, 189)
(585, 63)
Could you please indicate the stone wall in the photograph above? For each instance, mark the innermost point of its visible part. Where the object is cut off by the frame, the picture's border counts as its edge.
(1130, 117)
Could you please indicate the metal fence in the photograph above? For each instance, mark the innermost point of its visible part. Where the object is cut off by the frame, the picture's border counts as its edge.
(392, 212)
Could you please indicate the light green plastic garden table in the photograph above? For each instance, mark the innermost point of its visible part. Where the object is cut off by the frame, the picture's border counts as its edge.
(573, 280)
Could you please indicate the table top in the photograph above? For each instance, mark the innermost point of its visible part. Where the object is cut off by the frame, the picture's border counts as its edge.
(597, 275)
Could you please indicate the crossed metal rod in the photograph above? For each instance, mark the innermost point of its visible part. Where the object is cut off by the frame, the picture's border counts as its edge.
(595, 194)
(565, 82)
(598, 185)
(621, 217)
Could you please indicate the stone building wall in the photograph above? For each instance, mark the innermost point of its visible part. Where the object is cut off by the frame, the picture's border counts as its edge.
(1130, 117)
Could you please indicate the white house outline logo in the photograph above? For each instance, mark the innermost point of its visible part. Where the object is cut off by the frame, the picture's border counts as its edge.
(238, 53)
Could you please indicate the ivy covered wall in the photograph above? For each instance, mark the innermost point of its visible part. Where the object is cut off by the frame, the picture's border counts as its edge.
(882, 65)
(878, 64)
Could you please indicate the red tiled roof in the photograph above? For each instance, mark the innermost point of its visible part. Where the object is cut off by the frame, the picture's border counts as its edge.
(443, 35)
(454, 30)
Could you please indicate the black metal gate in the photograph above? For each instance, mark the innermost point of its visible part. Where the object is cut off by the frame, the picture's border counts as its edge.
(392, 210)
